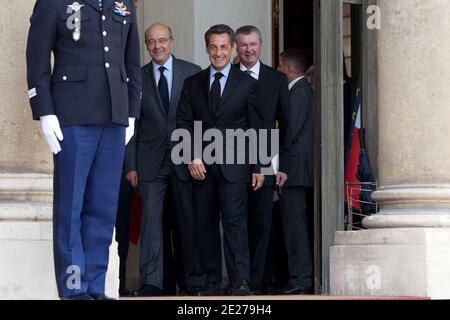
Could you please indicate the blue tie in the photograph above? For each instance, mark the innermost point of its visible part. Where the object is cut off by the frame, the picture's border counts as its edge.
(163, 88)
(216, 92)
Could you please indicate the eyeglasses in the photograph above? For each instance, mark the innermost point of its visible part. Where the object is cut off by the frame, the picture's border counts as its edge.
(161, 41)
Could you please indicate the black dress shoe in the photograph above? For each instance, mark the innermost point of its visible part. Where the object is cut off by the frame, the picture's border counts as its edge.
(292, 289)
(192, 291)
(124, 293)
(259, 291)
(240, 288)
(100, 296)
(224, 290)
(211, 289)
(265, 289)
(81, 296)
(147, 290)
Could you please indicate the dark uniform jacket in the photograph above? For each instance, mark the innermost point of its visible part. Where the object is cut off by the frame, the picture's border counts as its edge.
(95, 80)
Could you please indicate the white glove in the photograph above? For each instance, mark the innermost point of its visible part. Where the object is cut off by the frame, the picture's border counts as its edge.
(129, 132)
(52, 132)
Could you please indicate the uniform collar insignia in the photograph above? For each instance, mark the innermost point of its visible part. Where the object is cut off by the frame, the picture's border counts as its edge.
(121, 9)
(75, 6)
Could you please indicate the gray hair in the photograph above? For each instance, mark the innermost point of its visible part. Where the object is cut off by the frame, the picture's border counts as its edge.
(248, 29)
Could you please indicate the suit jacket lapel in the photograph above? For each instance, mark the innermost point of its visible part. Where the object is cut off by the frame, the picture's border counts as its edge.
(263, 81)
(150, 77)
(206, 89)
(230, 85)
(177, 84)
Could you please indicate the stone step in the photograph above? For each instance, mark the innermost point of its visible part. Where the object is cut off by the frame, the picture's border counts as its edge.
(26, 187)
(25, 211)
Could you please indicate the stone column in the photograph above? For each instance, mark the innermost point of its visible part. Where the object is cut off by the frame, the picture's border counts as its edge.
(406, 249)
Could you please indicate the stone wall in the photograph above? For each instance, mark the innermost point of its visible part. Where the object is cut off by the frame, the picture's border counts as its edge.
(198, 15)
(22, 148)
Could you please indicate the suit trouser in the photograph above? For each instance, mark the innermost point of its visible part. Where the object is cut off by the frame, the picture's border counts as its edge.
(123, 227)
(295, 227)
(276, 273)
(173, 261)
(216, 198)
(151, 264)
(260, 210)
(86, 187)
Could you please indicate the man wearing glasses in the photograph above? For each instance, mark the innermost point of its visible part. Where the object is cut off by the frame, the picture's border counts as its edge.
(149, 167)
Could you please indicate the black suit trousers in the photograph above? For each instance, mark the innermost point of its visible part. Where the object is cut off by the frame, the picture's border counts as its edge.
(122, 227)
(151, 251)
(295, 227)
(211, 194)
(260, 210)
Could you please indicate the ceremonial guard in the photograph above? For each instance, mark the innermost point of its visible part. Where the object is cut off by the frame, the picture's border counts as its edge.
(87, 105)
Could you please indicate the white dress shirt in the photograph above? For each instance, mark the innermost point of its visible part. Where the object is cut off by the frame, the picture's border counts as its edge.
(223, 80)
(254, 71)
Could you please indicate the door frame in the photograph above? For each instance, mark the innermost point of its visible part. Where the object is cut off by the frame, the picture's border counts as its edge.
(329, 122)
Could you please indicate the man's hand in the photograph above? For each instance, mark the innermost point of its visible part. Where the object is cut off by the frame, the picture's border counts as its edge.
(132, 178)
(257, 181)
(197, 169)
(52, 132)
(281, 178)
(129, 132)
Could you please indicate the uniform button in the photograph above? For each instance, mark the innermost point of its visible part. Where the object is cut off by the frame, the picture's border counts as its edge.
(76, 19)
(64, 78)
(124, 21)
(128, 79)
(107, 65)
(106, 49)
(103, 18)
(105, 33)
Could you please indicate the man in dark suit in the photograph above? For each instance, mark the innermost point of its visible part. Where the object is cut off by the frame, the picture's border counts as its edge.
(123, 232)
(84, 106)
(274, 105)
(221, 98)
(293, 63)
(149, 166)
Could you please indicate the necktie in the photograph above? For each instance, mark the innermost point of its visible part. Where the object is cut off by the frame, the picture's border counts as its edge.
(163, 89)
(216, 93)
(249, 72)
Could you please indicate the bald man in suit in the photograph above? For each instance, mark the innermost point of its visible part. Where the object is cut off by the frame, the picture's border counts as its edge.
(150, 168)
